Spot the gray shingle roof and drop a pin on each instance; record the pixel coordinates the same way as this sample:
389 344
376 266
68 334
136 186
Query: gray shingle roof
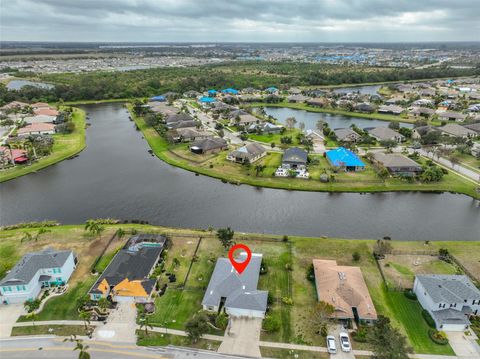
295 154
449 288
28 266
384 133
134 261
450 316
240 291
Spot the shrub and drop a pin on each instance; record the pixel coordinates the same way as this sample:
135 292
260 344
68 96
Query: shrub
356 256
428 318
287 300
360 335
271 324
311 273
438 337
410 294
221 321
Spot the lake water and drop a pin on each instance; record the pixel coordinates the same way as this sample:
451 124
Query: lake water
364 90
18 84
334 121
116 177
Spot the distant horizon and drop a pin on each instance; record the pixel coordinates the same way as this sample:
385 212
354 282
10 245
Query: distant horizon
240 42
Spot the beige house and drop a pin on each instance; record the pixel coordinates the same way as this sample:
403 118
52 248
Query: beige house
344 288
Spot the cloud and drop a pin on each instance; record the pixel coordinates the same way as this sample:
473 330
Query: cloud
240 20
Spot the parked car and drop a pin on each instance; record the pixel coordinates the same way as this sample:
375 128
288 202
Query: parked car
345 342
331 346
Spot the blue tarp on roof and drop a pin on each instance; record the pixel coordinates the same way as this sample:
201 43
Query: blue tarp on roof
230 91
158 98
271 89
340 157
206 99
212 92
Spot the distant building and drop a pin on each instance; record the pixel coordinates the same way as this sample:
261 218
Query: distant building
398 164
454 130
391 109
341 158
450 299
247 154
385 134
34 271
208 145
238 294
346 135
38 128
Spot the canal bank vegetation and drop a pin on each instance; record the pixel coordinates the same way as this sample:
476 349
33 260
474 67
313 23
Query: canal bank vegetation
261 173
192 257
64 147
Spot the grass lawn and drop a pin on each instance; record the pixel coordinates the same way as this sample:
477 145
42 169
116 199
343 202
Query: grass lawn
469 161
59 330
409 314
178 305
64 147
293 354
157 339
227 171
275 137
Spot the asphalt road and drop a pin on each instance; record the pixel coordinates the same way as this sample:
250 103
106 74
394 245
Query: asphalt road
54 348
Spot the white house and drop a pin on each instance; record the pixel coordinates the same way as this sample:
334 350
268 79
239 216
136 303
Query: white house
450 299
34 271
237 293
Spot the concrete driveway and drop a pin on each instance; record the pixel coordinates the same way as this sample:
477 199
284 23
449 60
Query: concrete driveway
463 346
8 316
335 331
242 337
120 326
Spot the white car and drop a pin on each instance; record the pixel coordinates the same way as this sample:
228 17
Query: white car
331 346
345 342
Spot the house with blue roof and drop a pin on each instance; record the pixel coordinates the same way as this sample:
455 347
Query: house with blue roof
158 98
212 93
230 91
344 159
206 99
272 89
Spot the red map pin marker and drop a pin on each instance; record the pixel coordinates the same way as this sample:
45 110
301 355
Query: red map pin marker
239 266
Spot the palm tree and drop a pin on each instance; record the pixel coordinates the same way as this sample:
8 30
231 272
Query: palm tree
121 233
27 237
145 323
29 140
103 303
94 227
40 232
85 316
12 160
82 348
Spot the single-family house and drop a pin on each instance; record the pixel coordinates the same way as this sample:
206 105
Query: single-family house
452 116
294 158
230 91
38 128
364 107
159 98
318 102
385 134
248 153
394 100
187 134
34 271
208 145
9 155
344 288
243 119
474 127
397 164
127 276
178 117
272 90
236 293
419 132
346 135
297 98
342 158
423 102
391 109
183 124
455 130
421 111
449 299
40 119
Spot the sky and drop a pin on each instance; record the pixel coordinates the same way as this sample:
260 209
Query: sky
240 20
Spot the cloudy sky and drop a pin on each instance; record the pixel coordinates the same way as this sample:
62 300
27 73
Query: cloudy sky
240 20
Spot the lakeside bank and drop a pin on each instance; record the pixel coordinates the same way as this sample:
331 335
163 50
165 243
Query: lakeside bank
64 147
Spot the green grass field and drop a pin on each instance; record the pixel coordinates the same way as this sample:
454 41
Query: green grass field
65 146
157 339
59 330
409 314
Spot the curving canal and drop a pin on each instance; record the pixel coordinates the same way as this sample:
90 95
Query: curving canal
116 177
